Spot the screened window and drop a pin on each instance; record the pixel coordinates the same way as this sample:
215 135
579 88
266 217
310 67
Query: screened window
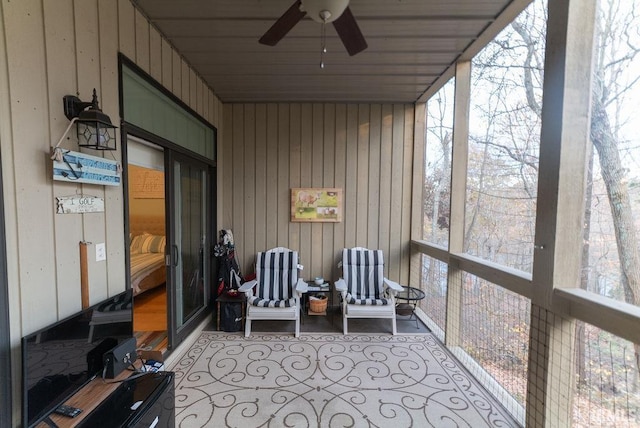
504 142
434 284
611 263
437 177
495 334
605 389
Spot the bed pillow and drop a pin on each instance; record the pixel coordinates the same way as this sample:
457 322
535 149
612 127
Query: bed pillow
147 243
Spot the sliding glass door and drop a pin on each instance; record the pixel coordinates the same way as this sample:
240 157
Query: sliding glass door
190 203
154 114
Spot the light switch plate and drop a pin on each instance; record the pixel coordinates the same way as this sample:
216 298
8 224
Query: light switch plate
101 252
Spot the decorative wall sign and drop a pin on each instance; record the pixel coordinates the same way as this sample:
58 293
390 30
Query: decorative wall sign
316 205
77 167
79 204
146 183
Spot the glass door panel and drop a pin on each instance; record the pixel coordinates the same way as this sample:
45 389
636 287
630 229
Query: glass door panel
189 238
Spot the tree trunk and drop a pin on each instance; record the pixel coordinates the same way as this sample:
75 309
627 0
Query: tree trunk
581 371
477 207
615 181
614 177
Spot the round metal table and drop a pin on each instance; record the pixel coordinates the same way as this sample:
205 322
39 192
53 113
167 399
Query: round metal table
411 296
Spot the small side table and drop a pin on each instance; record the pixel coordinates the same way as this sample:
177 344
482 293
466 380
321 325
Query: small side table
411 296
317 289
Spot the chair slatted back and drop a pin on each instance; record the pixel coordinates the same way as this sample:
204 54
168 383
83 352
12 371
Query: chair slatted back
363 271
277 274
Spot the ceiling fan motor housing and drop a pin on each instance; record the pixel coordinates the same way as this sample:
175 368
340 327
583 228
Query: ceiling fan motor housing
317 9
336 12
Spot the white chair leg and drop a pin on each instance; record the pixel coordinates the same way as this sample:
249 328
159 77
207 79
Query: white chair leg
247 327
344 325
298 326
393 321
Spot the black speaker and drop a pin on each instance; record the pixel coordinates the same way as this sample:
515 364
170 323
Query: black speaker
120 357
230 316
95 361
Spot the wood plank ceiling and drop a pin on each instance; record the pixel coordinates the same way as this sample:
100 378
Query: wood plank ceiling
412 43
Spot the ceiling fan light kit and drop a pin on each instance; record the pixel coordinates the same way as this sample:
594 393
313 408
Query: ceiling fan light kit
324 12
325 15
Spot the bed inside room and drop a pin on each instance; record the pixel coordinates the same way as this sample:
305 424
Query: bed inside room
147 250
147 244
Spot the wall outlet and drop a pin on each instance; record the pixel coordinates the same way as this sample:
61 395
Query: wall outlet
101 252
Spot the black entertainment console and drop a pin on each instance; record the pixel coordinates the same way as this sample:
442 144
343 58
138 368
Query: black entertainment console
146 401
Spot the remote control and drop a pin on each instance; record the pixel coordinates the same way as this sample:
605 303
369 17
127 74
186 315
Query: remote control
69 411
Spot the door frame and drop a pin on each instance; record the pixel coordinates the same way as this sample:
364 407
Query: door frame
168 146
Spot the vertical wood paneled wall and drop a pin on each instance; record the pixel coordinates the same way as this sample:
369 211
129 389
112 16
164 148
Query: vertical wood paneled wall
49 49
367 150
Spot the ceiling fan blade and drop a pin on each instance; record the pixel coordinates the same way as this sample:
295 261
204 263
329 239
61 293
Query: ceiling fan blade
349 32
283 25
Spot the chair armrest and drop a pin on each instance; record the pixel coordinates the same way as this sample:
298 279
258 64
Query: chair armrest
301 286
394 286
340 285
247 286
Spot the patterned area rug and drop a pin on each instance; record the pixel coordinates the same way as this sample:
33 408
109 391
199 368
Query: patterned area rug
327 380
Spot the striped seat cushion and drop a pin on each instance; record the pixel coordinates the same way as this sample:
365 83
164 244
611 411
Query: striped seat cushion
363 271
264 303
352 300
277 274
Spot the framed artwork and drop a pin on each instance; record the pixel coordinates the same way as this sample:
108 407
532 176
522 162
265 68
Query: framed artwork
316 205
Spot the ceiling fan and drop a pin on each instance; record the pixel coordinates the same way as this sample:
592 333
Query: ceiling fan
324 12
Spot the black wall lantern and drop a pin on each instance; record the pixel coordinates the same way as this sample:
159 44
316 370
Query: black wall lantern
95 130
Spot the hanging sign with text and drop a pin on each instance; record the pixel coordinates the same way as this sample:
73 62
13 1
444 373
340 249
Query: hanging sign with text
79 204
81 168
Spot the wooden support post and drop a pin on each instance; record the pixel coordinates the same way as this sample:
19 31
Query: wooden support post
459 163
84 274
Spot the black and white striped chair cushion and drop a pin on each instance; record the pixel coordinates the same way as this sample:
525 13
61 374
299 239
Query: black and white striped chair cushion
256 301
276 275
363 271
352 300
